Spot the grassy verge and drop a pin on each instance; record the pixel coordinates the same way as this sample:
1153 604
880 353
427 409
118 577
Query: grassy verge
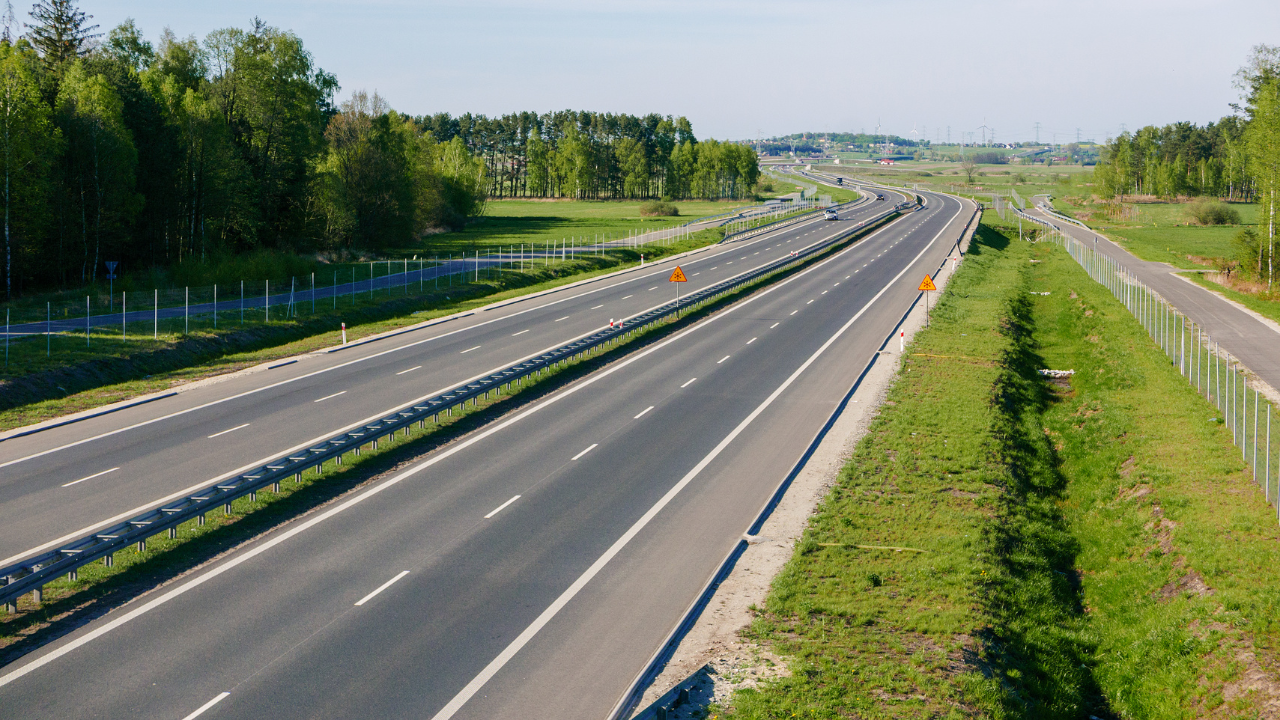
78 377
1091 547
1173 245
508 223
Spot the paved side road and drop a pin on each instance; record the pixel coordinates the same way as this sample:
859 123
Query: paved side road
1254 342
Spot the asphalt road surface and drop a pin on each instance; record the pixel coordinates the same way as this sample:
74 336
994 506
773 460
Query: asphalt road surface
529 570
67 481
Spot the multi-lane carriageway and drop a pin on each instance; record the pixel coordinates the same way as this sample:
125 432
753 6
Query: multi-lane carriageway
530 569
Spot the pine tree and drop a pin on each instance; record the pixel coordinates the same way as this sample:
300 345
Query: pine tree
59 32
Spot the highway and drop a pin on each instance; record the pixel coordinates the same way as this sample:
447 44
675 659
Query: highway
530 569
66 481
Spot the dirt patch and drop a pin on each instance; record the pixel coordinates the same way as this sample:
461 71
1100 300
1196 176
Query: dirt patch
1192 583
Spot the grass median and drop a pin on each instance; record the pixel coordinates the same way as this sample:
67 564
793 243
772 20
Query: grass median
1005 546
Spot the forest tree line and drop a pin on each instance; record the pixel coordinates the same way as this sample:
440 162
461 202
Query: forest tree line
114 148
590 155
1237 158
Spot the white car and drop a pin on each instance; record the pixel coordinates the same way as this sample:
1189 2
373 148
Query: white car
830 214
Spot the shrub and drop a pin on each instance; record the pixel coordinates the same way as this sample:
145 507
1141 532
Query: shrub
1210 212
656 208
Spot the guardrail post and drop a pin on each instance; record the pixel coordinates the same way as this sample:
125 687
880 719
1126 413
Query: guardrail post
37 595
173 533
109 560
200 519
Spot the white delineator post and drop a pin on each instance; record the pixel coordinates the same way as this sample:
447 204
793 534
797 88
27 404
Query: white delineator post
344 333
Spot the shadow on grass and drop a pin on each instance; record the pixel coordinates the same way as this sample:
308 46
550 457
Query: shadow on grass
1039 644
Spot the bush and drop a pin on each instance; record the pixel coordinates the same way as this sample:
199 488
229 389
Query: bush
657 208
1210 212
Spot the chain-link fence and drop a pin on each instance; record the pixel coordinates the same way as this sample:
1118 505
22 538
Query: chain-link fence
140 316
1223 380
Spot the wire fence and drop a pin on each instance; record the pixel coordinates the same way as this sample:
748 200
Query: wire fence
1224 382
140 316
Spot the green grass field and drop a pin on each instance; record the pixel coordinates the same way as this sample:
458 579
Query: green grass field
509 223
1090 547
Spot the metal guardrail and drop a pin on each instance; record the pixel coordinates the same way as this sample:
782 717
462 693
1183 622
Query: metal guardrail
779 224
31 574
1047 209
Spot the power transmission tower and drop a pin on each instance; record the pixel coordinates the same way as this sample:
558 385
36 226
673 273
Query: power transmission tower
1037 132
948 134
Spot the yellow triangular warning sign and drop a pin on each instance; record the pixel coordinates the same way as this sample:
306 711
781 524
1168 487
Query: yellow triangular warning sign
678 275
927 284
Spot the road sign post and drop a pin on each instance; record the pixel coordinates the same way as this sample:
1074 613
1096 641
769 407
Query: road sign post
677 277
926 286
111 284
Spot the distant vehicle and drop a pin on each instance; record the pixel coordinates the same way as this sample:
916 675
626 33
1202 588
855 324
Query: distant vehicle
830 214
839 181
879 197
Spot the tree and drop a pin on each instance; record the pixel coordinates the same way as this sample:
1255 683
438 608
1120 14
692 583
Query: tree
59 33
969 166
101 160
126 45
1262 137
26 140
275 103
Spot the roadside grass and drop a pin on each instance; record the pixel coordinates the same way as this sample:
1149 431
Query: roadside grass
69 604
1173 244
1091 547
542 223
1178 546
972 618
77 377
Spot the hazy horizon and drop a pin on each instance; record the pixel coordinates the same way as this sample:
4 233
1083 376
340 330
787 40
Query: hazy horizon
741 69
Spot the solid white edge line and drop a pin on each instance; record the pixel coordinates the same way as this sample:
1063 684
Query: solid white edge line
104 472
687 384
593 446
382 587
523 639
237 560
416 367
327 397
206 706
224 432
642 413
501 507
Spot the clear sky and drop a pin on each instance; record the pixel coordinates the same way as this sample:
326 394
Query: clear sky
740 68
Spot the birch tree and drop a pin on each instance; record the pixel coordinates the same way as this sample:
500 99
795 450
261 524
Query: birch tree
1262 137
25 142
